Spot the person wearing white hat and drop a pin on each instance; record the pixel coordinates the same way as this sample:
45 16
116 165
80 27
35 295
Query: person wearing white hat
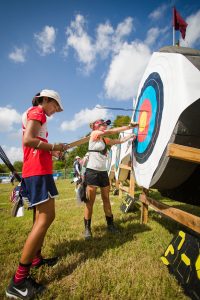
38 182
50 94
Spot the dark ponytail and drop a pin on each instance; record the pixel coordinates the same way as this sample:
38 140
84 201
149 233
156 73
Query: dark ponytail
37 100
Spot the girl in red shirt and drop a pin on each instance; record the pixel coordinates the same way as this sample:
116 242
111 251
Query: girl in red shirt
40 188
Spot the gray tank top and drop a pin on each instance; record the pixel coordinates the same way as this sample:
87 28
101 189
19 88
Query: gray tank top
97 161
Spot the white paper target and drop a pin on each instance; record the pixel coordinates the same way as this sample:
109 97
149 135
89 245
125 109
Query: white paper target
170 85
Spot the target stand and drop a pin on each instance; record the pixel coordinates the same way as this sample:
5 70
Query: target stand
180 152
129 203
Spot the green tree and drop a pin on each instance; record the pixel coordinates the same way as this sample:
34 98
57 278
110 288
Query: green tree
118 122
18 166
58 165
121 121
78 151
4 169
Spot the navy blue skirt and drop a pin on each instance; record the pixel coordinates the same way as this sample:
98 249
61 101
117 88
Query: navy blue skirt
38 189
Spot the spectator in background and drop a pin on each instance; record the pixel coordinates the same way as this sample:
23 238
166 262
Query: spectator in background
77 170
84 163
12 178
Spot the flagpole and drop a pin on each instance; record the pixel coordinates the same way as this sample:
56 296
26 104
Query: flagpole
173 13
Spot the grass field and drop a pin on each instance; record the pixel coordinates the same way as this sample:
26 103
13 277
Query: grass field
122 266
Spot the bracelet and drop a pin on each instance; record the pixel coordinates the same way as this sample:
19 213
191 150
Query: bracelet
38 145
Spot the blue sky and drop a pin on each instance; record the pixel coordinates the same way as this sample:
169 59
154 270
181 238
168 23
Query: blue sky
93 52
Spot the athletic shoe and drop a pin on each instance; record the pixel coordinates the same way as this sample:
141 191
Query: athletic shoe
50 262
88 233
27 289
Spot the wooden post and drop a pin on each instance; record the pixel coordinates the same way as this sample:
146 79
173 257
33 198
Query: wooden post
189 220
117 184
132 184
183 153
120 190
144 208
111 185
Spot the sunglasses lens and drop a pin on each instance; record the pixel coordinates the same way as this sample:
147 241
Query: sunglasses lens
108 122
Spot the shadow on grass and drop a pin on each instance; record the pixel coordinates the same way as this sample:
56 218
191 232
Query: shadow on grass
192 209
94 248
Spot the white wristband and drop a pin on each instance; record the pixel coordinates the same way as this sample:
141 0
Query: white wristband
38 145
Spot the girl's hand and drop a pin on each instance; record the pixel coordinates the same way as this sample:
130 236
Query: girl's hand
58 150
56 154
133 124
59 147
133 137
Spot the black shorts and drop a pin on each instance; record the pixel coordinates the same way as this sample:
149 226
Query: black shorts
96 178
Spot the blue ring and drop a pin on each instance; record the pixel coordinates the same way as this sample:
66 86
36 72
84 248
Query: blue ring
153 91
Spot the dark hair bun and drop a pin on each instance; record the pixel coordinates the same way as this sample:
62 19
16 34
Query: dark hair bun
35 101
92 125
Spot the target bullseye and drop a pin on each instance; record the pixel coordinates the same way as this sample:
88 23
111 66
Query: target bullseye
144 120
148 114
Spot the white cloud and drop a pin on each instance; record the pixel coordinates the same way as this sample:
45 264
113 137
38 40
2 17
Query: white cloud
78 39
46 40
18 55
128 60
16 134
123 30
104 39
158 12
84 117
107 40
192 38
8 116
126 70
153 34
13 153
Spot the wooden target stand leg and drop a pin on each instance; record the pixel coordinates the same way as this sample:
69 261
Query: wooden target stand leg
191 221
144 206
129 190
123 188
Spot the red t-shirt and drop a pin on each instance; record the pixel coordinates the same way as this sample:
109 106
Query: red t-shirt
36 161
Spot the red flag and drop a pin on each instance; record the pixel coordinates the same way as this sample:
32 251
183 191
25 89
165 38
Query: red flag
179 23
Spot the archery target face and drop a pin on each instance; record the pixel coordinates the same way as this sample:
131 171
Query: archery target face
148 114
169 85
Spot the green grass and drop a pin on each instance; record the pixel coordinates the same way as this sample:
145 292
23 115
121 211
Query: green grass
123 266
